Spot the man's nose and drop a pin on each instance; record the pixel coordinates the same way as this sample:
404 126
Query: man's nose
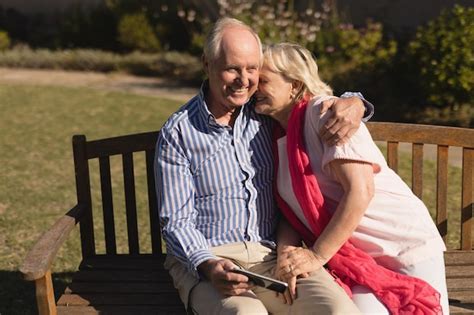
244 78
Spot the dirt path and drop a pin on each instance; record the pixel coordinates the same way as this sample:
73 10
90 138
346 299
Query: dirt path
114 81
157 87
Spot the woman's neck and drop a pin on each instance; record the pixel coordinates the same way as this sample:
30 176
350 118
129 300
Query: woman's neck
283 116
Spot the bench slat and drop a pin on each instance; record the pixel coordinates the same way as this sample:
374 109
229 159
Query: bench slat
415 133
464 296
107 205
130 203
121 275
392 155
454 284
83 187
121 261
460 271
119 287
417 170
467 199
121 310
119 299
461 310
459 257
442 191
153 203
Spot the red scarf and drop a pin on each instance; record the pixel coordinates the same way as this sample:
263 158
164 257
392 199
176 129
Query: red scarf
401 294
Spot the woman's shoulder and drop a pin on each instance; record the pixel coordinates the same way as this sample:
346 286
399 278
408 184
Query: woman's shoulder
313 112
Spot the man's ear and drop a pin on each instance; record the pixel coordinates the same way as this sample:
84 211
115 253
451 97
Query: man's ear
205 64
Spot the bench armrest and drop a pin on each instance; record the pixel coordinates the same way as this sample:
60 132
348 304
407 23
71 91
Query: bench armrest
39 258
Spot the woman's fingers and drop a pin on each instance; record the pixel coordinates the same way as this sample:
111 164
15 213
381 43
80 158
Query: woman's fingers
292 287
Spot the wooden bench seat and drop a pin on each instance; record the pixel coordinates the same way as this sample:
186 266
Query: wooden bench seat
136 282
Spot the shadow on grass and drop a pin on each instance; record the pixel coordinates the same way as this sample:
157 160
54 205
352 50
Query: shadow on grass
17 297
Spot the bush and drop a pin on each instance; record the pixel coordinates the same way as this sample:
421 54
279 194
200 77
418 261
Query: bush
443 52
4 40
136 33
342 48
174 65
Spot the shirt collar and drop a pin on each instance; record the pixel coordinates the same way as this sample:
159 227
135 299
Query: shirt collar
208 117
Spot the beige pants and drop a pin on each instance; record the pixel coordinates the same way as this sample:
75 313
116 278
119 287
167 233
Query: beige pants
317 294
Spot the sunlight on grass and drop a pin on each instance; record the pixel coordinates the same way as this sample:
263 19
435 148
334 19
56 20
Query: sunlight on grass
38 186
429 193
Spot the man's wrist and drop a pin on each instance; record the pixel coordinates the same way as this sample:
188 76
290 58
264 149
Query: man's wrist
204 269
368 106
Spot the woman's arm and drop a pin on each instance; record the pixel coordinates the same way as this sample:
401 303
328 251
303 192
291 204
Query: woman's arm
287 236
357 181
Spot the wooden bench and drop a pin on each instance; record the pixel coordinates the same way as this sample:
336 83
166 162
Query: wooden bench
136 283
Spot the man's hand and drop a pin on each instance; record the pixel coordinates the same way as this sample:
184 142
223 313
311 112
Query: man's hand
228 283
344 120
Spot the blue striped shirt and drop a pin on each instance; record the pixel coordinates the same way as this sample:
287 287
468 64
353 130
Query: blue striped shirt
214 182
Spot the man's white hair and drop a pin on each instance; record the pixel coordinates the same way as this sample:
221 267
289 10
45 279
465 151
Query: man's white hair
212 45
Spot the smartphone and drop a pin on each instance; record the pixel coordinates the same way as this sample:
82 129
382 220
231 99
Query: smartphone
262 281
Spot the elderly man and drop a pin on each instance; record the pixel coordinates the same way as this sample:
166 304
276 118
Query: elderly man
214 174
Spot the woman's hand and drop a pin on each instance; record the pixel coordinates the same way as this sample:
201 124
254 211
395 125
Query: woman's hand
292 263
282 258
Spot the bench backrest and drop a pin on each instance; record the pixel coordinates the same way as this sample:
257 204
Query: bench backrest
103 150
130 145
443 138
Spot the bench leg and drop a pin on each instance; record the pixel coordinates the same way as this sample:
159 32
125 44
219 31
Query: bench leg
45 295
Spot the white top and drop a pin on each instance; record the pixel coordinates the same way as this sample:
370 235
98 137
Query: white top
396 229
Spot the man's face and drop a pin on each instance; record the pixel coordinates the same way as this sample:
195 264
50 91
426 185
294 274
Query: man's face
233 76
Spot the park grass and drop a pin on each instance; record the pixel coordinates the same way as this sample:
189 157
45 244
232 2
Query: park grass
37 183
38 186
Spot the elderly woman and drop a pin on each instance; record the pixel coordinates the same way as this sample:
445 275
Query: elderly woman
355 215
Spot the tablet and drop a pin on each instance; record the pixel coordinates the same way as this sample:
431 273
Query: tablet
262 281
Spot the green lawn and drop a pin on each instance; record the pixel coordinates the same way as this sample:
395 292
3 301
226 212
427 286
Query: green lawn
37 183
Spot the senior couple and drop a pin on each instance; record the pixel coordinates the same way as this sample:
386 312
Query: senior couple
265 170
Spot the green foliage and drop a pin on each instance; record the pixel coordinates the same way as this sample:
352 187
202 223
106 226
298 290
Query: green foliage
87 27
443 51
4 40
135 32
342 47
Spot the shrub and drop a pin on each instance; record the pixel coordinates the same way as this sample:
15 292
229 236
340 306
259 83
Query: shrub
443 52
342 48
136 33
4 40
174 65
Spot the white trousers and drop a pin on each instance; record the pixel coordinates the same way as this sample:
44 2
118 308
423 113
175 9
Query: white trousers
430 270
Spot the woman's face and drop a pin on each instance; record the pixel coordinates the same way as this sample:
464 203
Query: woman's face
273 96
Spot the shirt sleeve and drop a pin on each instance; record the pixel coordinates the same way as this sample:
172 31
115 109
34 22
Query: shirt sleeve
359 148
175 192
369 108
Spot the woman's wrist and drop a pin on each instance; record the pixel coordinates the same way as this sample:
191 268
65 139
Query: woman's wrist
320 258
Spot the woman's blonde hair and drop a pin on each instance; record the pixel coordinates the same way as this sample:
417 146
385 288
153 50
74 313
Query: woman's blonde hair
296 63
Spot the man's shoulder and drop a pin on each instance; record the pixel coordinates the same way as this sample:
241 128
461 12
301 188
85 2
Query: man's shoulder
182 116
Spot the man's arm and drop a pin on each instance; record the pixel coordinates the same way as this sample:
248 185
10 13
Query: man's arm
347 112
175 190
